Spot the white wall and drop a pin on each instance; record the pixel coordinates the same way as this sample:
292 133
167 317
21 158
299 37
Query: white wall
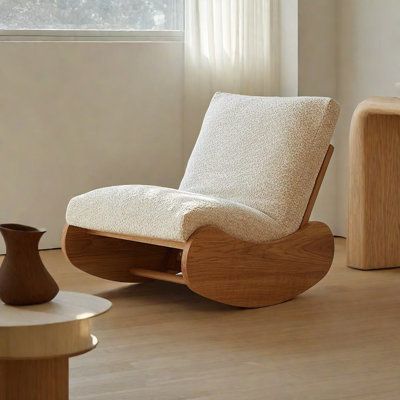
76 116
368 64
317 77
289 47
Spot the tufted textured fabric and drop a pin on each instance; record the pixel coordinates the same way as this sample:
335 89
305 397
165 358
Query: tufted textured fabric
153 211
251 174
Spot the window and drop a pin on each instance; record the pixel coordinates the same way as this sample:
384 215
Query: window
90 16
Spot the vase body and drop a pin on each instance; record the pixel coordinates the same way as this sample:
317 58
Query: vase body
24 279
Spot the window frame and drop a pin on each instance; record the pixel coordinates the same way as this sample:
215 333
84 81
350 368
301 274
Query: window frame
91 35
85 35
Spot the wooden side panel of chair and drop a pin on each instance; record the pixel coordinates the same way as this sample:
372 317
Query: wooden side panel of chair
112 258
214 264
245 274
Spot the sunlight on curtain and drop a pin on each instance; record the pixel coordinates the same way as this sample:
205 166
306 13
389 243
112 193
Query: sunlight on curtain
232 46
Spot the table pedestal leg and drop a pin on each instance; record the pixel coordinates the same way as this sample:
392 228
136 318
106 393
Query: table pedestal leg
45 379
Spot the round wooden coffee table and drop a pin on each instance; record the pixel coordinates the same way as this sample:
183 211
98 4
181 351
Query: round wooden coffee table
37 341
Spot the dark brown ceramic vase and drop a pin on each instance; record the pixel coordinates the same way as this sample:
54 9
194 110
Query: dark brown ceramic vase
24 279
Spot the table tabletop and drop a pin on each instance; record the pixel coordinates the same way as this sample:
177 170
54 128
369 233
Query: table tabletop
65 307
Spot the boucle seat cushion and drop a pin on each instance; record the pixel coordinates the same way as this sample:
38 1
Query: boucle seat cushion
251 174
158 212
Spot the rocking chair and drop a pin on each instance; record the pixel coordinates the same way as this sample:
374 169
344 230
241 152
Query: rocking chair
237 230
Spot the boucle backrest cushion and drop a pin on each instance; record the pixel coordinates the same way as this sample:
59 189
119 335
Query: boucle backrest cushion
264 152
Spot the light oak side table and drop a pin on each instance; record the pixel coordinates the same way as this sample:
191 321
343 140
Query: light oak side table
37 341
373 239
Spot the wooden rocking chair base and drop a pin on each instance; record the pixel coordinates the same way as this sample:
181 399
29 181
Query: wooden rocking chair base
213 263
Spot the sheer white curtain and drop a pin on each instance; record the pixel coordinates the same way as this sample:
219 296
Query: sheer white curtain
232 46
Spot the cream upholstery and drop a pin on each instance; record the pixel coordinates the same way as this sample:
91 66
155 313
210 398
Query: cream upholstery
251 174
153 211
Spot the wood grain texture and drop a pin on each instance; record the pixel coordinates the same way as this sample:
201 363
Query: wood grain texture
162 276
141 239
36 342
317 185
214 264
244 274
374 182
34 379
112 258
59 328
24 280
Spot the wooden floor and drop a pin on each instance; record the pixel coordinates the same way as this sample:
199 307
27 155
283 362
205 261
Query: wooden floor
339 340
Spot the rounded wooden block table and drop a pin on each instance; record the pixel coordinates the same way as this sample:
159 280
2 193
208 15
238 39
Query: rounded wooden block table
374 180
37 341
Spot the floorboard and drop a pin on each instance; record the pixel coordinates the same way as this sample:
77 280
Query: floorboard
339 340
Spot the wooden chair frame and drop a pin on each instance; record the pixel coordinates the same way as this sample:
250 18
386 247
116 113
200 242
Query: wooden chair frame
213 263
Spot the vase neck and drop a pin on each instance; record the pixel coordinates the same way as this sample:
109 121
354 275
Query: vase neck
20 236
